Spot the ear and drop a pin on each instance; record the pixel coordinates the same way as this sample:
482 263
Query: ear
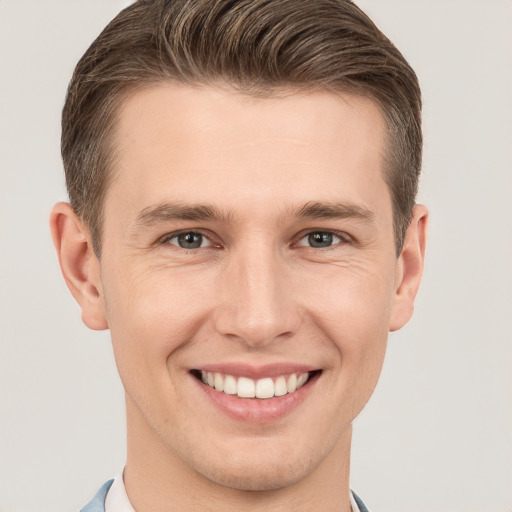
79 264
410 268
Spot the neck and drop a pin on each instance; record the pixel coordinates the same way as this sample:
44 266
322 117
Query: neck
157 480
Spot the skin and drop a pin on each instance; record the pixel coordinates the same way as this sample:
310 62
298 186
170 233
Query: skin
255 292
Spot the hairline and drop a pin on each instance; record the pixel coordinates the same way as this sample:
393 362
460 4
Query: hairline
109 146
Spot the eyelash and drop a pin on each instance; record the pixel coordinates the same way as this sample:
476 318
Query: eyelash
174 236
344 238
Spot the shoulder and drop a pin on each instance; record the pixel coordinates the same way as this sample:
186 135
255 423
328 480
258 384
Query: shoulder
359 502
97 504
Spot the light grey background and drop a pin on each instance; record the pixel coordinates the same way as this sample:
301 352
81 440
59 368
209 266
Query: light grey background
436 436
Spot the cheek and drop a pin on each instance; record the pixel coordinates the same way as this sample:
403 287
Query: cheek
151 317
356 298
354 315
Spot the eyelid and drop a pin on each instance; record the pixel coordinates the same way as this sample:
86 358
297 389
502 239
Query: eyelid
344 237
166 239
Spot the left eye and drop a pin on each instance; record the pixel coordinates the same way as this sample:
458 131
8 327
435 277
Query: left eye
320 240
189 240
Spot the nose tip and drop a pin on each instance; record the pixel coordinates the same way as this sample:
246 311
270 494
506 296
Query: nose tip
257 304
253 330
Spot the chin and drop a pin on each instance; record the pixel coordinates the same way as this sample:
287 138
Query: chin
259 465
264 477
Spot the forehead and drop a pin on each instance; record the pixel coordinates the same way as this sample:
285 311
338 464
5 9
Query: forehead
175 142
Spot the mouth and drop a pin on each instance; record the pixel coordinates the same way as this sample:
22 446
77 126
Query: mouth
261 389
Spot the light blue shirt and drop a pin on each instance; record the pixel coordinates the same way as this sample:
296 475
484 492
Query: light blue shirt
97 504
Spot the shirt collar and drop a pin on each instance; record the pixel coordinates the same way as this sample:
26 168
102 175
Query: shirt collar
117 500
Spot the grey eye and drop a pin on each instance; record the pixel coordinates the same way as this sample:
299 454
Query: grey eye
189 240
320 240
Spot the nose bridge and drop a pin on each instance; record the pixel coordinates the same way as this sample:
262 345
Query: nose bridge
256 303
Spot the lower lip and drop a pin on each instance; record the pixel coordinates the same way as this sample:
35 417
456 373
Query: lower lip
257 410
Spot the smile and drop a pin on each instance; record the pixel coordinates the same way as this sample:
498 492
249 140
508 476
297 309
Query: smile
245 387
256 394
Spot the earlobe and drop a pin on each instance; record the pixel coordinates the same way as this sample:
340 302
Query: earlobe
410 268
79 264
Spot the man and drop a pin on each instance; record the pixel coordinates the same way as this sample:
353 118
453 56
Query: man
242 179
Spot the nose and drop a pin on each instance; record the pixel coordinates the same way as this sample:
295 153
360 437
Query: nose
257 301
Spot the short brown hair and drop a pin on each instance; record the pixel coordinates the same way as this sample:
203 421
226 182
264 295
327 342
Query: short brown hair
255 46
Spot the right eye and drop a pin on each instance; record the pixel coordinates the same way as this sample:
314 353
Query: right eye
189 240
321 240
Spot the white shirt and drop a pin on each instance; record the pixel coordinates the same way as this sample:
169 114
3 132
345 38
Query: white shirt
117 499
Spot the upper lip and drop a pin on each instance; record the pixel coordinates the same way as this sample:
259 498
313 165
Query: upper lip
256 372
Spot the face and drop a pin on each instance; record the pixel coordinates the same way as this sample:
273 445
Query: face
248 243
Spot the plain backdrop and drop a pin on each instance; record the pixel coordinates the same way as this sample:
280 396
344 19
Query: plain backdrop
437 434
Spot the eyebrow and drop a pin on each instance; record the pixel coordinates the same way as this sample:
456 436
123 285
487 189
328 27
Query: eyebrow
317 210
167 212
175 211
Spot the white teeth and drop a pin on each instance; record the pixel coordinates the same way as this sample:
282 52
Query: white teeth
280 386
265 388
245 387
303 377
291 383
230 385
219 382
